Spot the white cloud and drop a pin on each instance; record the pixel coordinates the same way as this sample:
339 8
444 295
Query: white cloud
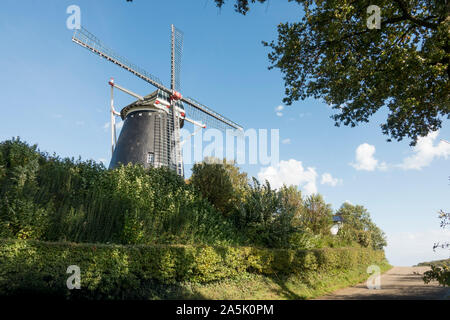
328 179
286 141
278 110
383 166
365 159
290 172
425 151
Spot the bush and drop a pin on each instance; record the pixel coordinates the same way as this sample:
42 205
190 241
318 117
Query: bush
20 216
266 216
116 271
317 215
439 273
51 199
221 182
440 270
279 218
47 198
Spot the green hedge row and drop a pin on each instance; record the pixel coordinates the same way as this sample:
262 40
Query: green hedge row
115 271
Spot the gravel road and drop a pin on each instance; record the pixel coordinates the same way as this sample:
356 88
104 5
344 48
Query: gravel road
399 283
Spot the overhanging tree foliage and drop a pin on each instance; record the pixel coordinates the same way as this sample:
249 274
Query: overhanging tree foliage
331 54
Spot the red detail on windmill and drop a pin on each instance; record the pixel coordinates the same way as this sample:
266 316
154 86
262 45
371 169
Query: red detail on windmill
176 96
183 114
111 82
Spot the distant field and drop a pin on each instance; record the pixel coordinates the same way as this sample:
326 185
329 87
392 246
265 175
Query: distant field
438 263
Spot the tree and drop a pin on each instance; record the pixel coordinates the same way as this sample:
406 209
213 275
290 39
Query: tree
221 182
291 201
20 217
268 217
317 215
331 54
357 225
260 205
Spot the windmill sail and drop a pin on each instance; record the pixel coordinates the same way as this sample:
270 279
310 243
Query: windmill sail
177 52
87 40
151 132
174 121
212 119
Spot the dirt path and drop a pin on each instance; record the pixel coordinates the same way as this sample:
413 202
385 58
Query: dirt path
397 283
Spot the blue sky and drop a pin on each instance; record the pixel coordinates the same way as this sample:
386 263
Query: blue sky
55 94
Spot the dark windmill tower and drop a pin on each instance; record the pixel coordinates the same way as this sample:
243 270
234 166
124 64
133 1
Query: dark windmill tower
151 130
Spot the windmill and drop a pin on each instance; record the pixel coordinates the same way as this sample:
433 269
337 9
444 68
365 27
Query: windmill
151 130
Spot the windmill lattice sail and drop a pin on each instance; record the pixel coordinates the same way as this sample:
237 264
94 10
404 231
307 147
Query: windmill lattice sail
151 131
177 51
175 147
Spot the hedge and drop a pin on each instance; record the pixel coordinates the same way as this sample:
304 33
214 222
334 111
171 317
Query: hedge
113 271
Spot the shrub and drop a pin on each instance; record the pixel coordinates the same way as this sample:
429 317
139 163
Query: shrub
317 215
440 270
52 199
275 218
439 273
221 182
47 198
116 271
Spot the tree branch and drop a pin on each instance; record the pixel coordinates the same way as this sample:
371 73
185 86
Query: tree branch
383 23
407 14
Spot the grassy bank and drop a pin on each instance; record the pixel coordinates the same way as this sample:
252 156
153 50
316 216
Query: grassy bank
259 287
250 286
309 286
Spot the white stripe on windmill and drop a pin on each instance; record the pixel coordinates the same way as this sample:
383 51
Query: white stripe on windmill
151 131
